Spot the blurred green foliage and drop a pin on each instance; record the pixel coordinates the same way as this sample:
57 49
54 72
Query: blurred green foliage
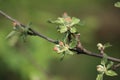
35 59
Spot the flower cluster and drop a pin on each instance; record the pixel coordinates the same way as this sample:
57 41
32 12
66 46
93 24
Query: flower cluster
102 47
18 31
62 48
66 23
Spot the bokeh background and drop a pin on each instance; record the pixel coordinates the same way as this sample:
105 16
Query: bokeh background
35 58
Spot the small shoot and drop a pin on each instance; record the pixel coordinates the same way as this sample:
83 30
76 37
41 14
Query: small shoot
105 65
63 49
66 23
19 31
102 47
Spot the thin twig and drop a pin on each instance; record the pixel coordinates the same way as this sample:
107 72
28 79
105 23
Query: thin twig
116 66
85 51
81 49
31 32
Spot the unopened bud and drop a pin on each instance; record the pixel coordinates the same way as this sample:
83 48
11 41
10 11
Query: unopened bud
56 48
100 46
100 68
67 18
14 23
61 43
65 14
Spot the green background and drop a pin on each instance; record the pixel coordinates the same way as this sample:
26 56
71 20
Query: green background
35 58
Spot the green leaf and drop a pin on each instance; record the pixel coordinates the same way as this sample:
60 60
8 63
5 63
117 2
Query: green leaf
19 28
104 60
107 45
24 35
110 65
111 73
73 43
65 37
62 57
99 77
58 21
73 30
62 29
117 4
81 23
75 21
69 52
11 34
13 40
25 31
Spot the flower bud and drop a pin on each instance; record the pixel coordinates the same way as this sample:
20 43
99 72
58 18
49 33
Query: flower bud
100 46
67 18
14 23
100 68
65 14
56 48
61 43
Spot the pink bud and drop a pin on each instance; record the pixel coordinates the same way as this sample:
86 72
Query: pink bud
65 14
14 23
55 48
68 19
61 43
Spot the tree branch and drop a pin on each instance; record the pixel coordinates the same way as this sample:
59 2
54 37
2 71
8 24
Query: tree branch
79 49
116 66
31 32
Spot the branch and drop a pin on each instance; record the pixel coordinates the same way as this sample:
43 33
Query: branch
79 49
32 32
116 66
85 51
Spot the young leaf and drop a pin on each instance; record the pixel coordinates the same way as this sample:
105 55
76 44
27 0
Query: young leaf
104 60
73 30
19 28
65 37
111 73
62 57
81 23
99 77
117 4
73 43
107 45
69 52
110 65
25 31
75 21
58 21
13 40
24 35
11 34
62 29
